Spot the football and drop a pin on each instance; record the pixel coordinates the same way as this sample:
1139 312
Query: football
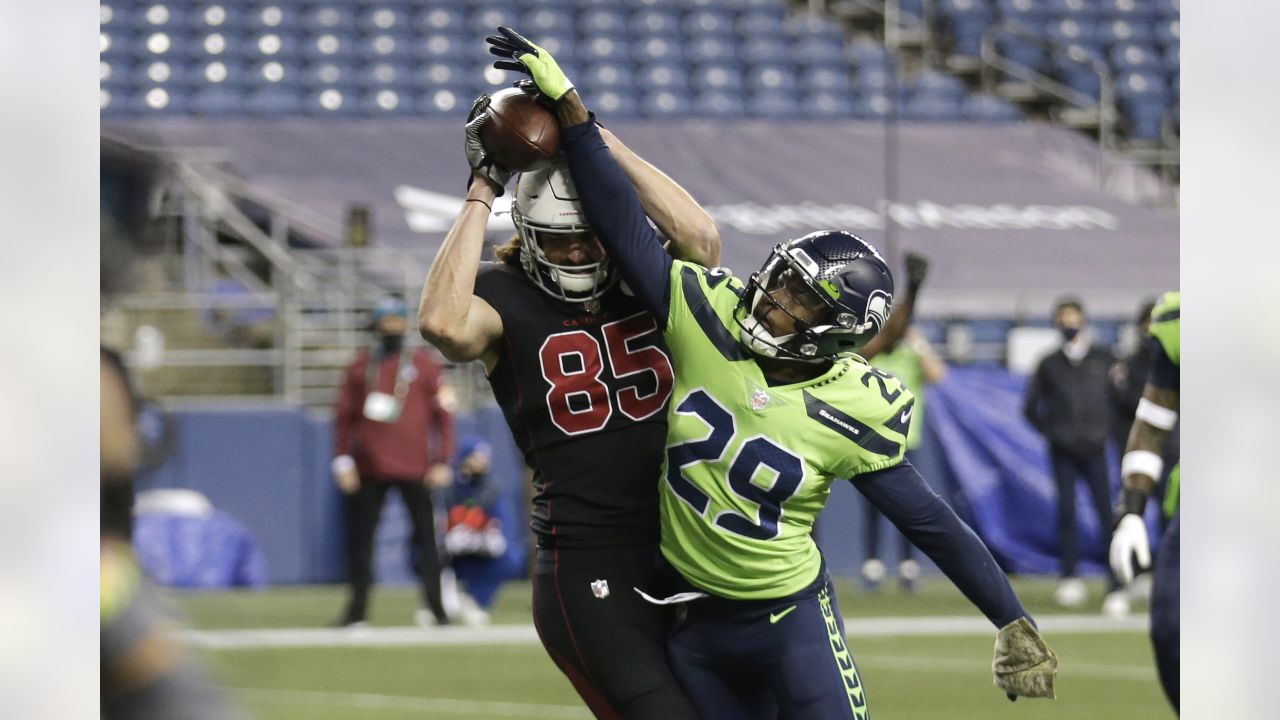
521 135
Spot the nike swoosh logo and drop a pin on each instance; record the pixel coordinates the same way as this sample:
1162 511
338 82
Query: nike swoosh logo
775 617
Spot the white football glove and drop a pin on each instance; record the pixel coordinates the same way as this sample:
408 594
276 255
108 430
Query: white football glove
1129 539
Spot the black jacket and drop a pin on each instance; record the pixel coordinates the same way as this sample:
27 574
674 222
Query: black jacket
1069 403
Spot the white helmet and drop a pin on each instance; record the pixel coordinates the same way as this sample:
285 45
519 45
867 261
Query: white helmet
546 201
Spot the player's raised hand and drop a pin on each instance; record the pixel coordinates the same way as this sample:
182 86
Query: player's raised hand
1024 665
481 164
523 56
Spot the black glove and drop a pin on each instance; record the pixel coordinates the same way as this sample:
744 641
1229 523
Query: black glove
917 270
477 158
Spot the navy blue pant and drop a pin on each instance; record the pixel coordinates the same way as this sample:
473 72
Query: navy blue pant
1165 606
768 659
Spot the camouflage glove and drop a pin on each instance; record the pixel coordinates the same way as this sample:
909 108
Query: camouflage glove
1024 664
477 158
523 56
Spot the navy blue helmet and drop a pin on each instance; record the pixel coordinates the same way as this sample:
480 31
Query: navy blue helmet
840 275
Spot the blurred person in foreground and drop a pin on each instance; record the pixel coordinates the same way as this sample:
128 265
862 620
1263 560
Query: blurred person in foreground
583 378
147 674
768 384
1068 402
390 432
913 361
1157 414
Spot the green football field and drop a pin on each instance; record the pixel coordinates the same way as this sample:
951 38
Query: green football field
921 658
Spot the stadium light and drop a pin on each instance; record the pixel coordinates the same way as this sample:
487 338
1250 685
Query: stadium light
159 72
157 98
384 19
384 44
387 100
444 100
269 44
158 43
215 72
157 14
215 15
215 44
273 71
330 99
271 16
327 44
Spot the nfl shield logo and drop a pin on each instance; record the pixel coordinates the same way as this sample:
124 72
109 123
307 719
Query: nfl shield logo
600 588
759 399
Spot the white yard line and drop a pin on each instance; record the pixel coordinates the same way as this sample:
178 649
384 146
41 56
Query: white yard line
525 634
403 703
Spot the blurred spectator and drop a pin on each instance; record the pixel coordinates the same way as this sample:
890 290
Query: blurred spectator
146 673
1068 403
480 555
390 431
917 365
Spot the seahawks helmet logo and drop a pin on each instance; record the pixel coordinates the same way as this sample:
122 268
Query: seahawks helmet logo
878 309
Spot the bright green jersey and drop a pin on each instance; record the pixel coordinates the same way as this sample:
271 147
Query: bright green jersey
903 362
750 465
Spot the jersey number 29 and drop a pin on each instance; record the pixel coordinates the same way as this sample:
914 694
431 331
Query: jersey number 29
572 362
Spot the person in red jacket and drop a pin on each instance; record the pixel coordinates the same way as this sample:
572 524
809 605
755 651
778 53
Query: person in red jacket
390 431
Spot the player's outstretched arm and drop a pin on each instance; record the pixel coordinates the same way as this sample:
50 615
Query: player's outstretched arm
462 326
692 232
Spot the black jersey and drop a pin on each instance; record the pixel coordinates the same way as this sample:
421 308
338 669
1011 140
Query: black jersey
585 394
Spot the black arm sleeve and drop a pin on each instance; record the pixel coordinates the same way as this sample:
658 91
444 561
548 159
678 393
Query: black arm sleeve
931 525
614 211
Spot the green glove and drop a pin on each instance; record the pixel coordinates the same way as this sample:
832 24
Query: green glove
523 56
1024 664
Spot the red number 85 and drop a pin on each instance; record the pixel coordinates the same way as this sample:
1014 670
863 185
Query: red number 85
584 381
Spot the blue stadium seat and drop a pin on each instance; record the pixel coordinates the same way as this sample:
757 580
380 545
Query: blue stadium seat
828 105
708 22
989 109
387 75
274 101
1139 11
825 78
385 47
485 20
711 49
818 50
655 22
615 104
329 18
1085 11
435 19
657 49
1130 57
774 105
1168 32
665 104
330 46
756 24
601 21
927 107
608 76
384 17
932 82
718 104
768 77
763 48
604 48
443 46
444 102
668 75
717 77
387 102
1126 31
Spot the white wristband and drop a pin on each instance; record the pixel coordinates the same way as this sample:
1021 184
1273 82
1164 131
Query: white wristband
1158 417
1141 462
342 464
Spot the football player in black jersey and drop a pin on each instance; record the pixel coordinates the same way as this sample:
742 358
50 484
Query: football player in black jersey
583 379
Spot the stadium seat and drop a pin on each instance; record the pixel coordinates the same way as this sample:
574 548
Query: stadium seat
932 82
718 104
615 104
665 104
828 105
725 78
825 78
711 50
775 105
708 22
668 75
989 109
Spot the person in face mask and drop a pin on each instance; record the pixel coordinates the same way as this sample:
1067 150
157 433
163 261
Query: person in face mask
1068 402
391 431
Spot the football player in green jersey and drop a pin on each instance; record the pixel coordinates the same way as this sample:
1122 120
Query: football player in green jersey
1141 467
770 408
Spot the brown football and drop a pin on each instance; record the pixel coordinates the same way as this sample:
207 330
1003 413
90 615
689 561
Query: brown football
521 135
